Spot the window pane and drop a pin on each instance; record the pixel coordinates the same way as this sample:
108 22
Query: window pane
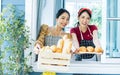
113 27
113 9
113 44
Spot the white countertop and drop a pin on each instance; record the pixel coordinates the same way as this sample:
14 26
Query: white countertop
82 67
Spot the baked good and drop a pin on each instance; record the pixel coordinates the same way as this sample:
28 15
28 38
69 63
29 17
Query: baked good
53 48
82 49
90 49
60 43
98 50
46 49
59 50
67 46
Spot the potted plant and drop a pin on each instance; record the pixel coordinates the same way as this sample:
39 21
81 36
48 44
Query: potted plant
14 39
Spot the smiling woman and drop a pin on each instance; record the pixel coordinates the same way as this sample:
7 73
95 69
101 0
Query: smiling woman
62 19
109 22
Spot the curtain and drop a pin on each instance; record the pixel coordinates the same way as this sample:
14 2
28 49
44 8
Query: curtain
58 4
40 6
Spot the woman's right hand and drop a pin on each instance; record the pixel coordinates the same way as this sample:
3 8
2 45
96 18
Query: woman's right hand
37 49
76 51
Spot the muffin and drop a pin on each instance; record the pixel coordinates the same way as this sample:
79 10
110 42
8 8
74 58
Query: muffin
90 49
82 49
98 50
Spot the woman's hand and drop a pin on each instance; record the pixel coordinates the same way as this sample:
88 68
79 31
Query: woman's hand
76 51
37 49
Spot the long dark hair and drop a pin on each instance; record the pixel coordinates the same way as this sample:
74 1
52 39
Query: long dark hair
61 11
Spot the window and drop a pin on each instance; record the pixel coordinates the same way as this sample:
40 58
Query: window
0 6
99 7
106 16
113 23
111 35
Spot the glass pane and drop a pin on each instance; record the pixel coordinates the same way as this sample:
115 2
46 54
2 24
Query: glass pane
113 27
113 9
112 39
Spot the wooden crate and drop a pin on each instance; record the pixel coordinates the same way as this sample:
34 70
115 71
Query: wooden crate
55 59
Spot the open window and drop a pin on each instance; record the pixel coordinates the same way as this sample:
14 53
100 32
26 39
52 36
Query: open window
105 14
111 28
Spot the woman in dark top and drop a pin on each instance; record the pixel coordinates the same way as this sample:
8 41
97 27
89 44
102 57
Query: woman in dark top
84 34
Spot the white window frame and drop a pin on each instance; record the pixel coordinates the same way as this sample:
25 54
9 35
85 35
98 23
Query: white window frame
104 58
0 6
31 19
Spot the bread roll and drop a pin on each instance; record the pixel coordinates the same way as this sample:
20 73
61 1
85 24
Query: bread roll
58 50
82 49
60 43
47 49
98 50
54 48
90 49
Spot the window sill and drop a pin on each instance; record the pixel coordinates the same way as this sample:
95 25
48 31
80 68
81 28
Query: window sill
83 67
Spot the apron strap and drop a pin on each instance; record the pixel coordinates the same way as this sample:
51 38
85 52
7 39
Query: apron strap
81 34
89 32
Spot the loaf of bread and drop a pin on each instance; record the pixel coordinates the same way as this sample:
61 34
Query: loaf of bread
60 43
67 46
